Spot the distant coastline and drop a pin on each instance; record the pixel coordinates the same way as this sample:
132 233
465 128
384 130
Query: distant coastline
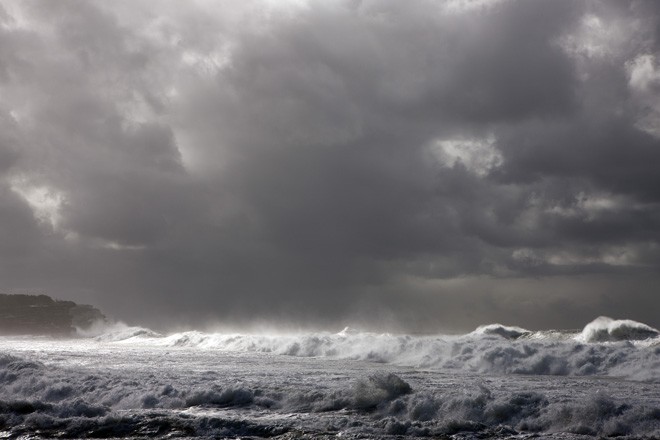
43 315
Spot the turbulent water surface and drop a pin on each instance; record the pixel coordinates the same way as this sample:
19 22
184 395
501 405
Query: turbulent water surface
496 382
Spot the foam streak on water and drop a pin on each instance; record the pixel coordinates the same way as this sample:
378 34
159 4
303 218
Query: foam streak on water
496 382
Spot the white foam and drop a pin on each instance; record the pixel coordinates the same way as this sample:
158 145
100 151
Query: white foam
604 329
332 400
492 348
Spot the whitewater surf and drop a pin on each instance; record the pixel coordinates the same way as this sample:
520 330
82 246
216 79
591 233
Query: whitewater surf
495 382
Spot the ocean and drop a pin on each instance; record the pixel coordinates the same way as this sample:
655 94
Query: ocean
495 382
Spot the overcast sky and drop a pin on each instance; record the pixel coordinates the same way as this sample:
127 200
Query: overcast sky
413 165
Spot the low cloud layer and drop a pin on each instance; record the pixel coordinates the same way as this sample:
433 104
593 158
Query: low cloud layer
425 165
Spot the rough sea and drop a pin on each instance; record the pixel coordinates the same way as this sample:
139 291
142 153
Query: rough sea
495 382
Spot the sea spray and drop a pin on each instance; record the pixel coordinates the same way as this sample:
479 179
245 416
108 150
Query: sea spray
605 347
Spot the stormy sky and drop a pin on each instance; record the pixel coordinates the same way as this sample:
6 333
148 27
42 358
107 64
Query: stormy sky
416 165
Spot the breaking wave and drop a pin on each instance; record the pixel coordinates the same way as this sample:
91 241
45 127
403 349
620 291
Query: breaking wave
618 348
504 331
604 329
104 331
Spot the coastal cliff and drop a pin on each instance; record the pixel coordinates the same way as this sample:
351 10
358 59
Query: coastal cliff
42 315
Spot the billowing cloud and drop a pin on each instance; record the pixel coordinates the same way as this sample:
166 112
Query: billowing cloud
420 164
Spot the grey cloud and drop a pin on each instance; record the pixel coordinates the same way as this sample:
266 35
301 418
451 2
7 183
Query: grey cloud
509 66
312 163
611 153
9 143
20 231
134 193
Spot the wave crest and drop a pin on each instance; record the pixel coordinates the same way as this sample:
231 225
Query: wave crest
604 329
118 331
493 348
508 332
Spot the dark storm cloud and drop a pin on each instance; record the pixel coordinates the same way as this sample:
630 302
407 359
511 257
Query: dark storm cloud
318 161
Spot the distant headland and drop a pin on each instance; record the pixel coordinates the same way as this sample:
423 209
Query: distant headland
43 315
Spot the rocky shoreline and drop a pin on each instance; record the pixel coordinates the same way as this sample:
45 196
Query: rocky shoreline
43 315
